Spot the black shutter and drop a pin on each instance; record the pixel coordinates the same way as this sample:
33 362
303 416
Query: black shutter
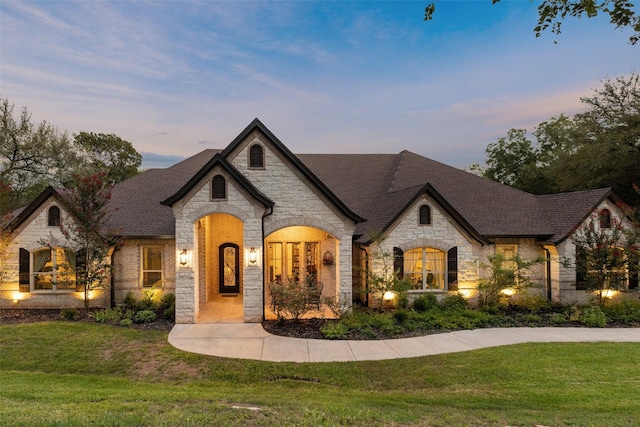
452 269
581 269
24 283
398 262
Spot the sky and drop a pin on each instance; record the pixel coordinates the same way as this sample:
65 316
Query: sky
177 77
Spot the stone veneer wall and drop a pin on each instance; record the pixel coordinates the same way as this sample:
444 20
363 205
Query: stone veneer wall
441 234
127 267
28 236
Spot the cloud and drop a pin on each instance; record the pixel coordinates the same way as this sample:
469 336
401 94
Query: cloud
155 160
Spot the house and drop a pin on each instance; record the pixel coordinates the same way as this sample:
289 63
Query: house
218 227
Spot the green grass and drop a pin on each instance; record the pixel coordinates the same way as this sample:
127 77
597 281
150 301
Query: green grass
77 374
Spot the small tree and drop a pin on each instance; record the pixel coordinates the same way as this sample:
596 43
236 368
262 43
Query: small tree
602 256
501 274
86 231
382 276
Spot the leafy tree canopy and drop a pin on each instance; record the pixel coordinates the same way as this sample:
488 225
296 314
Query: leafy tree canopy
34 156
551 14
597 148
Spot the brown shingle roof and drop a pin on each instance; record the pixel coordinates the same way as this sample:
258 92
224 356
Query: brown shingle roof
376 187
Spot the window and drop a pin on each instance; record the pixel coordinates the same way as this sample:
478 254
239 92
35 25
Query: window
151 267
425 267
54 269
256 156
605 218
425 215
290 260
218 187
509 253
53 216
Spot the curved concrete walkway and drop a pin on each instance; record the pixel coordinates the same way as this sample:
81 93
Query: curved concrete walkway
251 341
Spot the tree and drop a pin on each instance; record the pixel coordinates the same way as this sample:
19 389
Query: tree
597 148
5 241
86 231
551 14
108 153
27 154
500 274
602 256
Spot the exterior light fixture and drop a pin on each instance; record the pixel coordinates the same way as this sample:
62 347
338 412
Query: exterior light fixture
183 257
253 255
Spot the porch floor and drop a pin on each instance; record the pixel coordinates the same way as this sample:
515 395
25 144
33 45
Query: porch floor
222 309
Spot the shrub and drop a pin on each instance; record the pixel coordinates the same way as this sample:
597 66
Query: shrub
533 303
69 314
167 307
334 330
401 315
558 319
291 299
129 302
126 322
624 311
108 315
455 301
425 302
144 316
591 316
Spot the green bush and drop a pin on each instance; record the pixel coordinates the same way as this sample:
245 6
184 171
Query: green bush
425 302
126 322
334 330
625 311
558 318
144 316
455 301
69 314
401 315
108 315
533 303
591 316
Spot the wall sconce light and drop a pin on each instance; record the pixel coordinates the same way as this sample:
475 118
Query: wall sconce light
183 257
253 255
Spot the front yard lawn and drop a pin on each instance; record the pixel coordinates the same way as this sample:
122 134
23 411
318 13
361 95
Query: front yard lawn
79 373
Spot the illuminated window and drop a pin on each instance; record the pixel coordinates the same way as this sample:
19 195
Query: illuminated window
292 260
54 269
151 266
425 267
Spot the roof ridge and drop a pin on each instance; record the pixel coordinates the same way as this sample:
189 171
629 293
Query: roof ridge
396 171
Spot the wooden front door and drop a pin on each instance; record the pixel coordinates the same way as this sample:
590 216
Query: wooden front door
229 267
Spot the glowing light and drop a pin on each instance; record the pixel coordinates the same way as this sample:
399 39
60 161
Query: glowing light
508 292
389 296
184 257
253 255
609 293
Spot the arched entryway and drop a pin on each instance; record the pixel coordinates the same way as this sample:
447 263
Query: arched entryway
301 254
220 239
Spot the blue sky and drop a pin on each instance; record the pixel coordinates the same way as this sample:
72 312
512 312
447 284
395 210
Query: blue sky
177 77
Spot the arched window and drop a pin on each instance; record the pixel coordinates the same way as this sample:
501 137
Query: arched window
53 216
605 218
425 215
218 187
425 267
256 156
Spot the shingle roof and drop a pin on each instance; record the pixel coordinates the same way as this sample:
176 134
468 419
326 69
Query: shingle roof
377 187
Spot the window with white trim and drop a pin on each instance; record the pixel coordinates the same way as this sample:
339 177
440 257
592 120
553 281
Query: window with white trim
425 267
151 266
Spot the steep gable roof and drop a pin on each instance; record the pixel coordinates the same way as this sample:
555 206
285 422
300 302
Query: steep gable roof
219 160
23 214
373 190
566 211
256 125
